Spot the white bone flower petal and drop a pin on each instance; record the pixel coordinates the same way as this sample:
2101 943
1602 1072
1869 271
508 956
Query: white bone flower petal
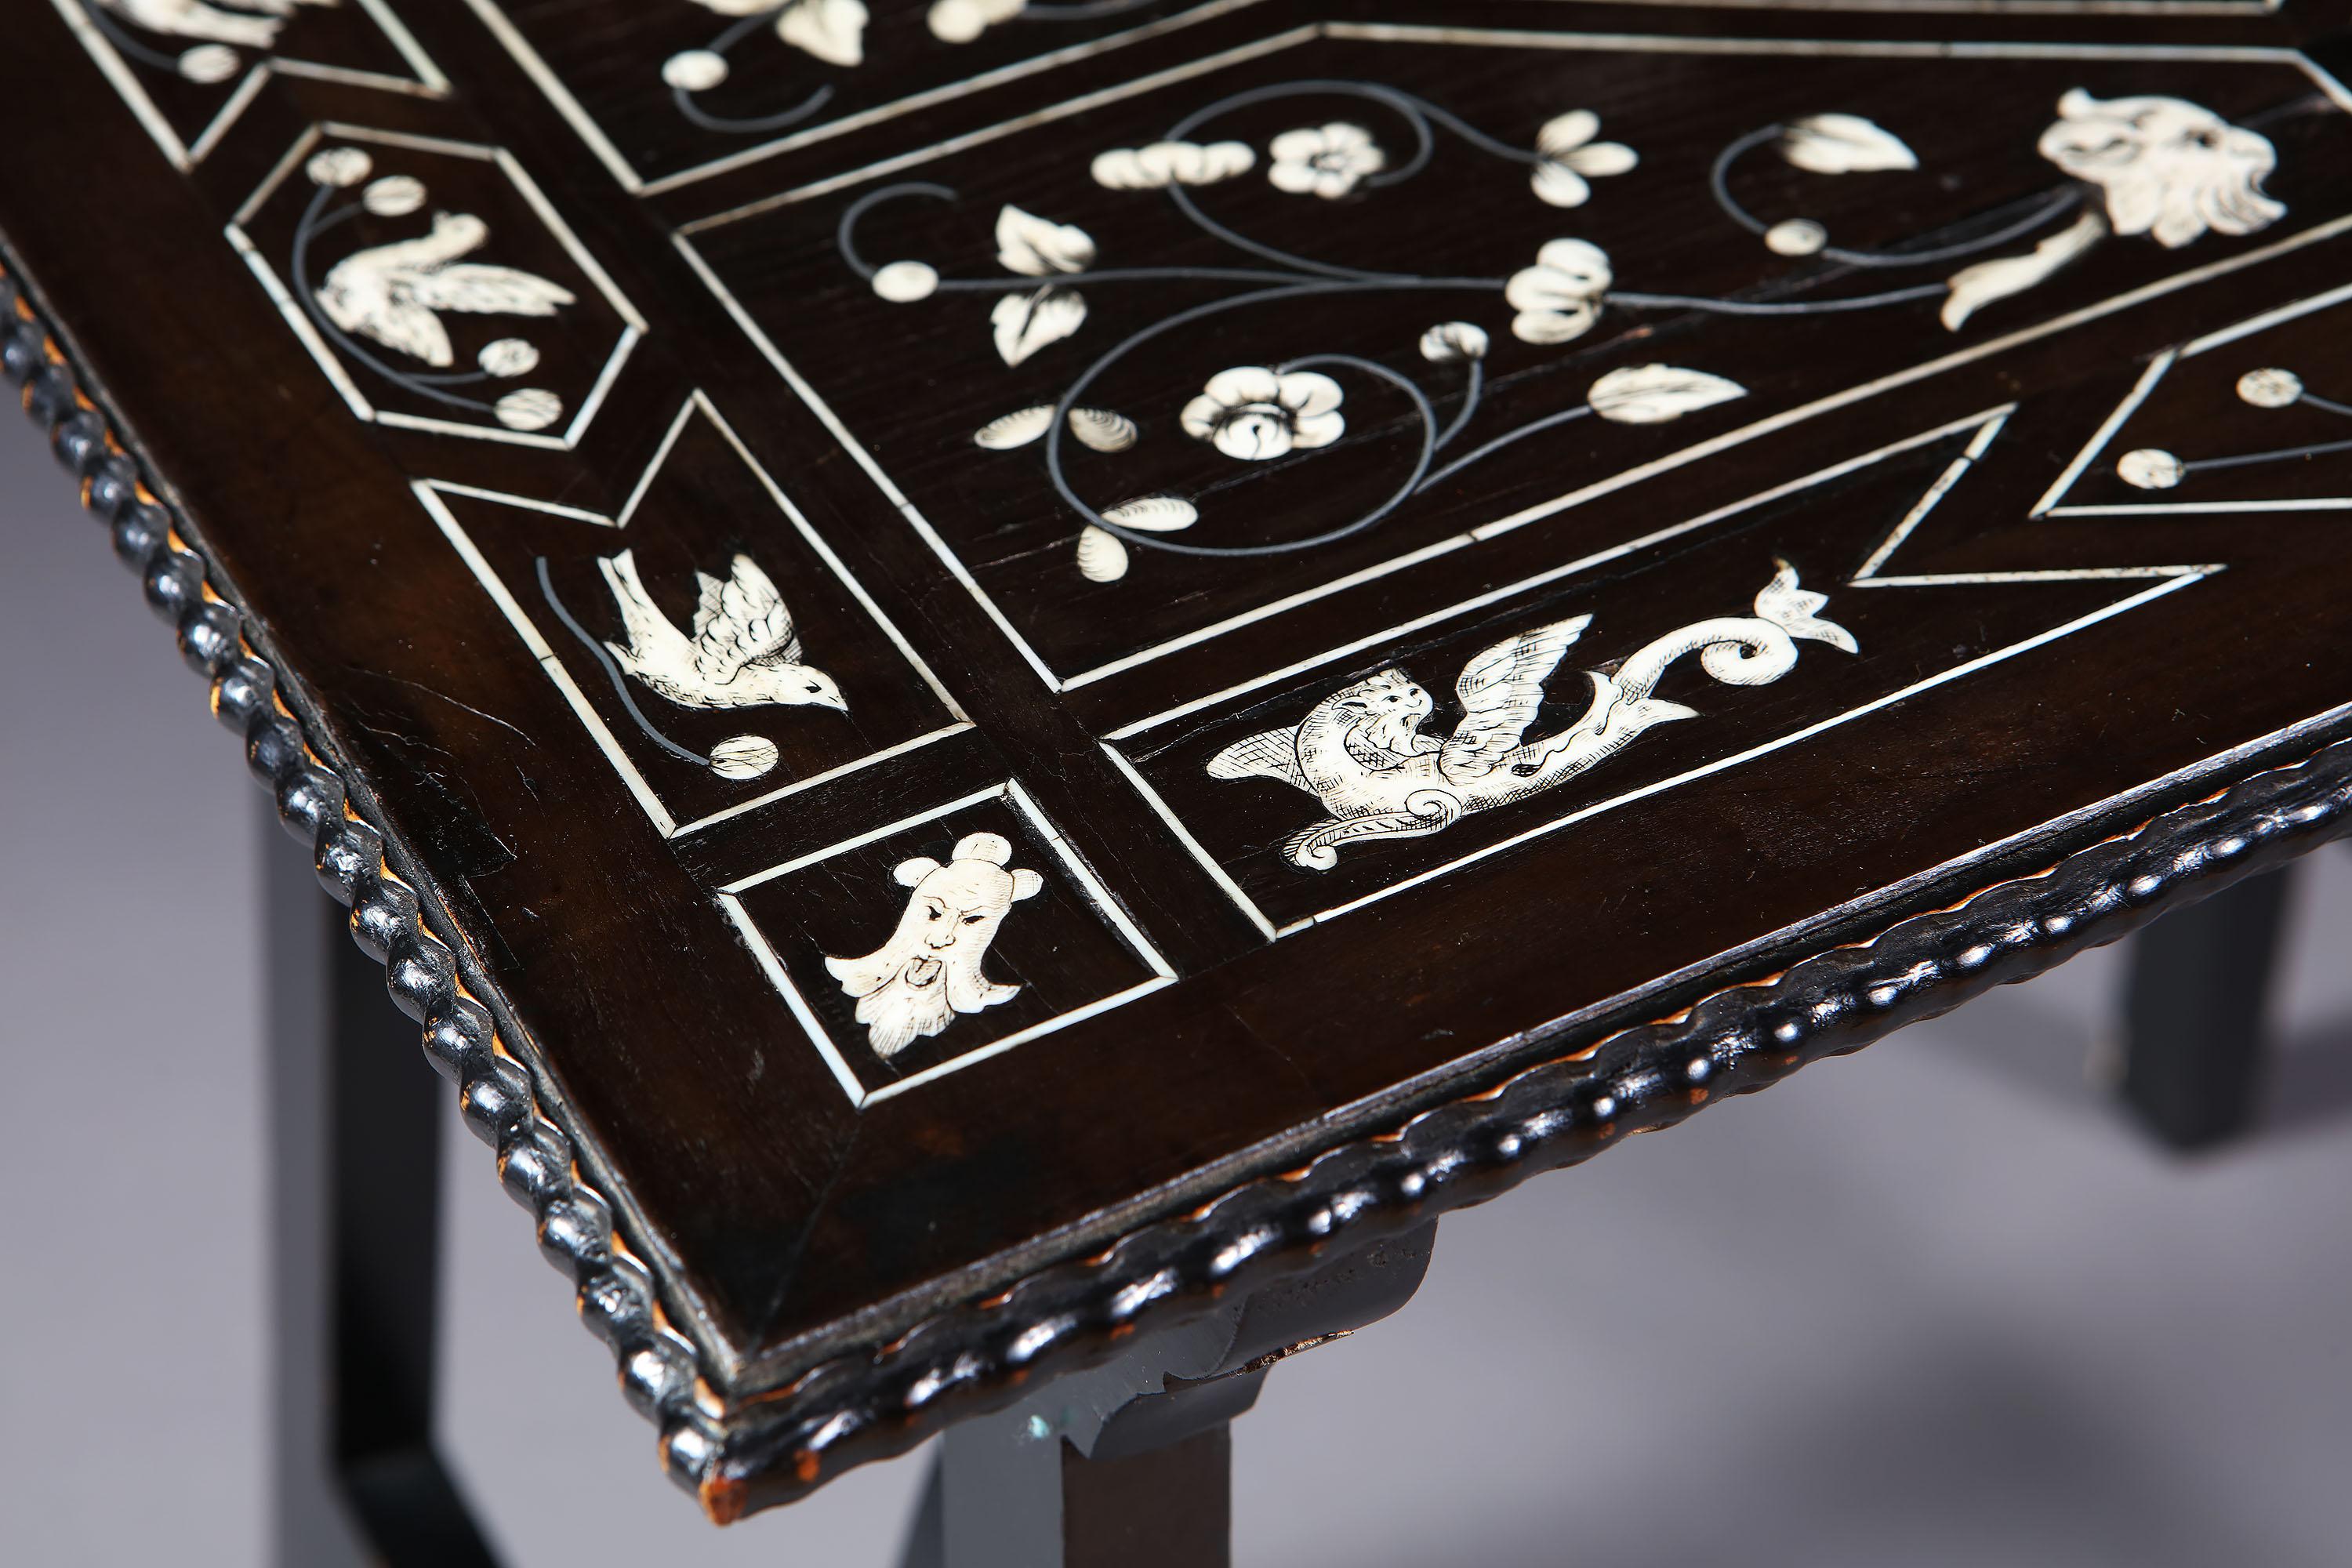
1252 413
1164 163
2169 168
832 30
1451 341
1325 161
1843 144
1654 394
1038 248
1023 323
1568 157
1559 297
1102 555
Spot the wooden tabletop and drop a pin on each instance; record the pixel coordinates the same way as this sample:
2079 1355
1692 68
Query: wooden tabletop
986 669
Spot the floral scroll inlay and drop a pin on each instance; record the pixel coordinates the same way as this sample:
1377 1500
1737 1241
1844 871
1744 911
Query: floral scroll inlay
2155 166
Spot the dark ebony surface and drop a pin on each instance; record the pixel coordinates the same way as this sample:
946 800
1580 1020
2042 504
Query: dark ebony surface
1986 723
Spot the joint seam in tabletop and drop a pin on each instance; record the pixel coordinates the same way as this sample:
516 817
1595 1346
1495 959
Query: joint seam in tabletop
661 1369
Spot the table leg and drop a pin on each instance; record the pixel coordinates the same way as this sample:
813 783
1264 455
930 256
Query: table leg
2196 1009
1129 1465
355 1185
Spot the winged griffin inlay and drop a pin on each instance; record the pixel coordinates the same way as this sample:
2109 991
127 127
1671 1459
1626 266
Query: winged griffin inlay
1361 754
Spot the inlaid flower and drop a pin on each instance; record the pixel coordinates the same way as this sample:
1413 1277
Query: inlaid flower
1326 161
1254 412
1036 247
2169 168
1559 297
1165 164
1568 157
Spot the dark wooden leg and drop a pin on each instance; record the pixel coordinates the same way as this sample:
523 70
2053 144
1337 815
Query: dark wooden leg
356 1186
1130 1465
2196 1011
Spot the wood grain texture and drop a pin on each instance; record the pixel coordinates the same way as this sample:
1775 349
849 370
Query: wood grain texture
2024 658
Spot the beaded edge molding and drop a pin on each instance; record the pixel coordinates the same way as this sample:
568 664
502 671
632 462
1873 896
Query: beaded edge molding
660 1371
1556 1112
776 1447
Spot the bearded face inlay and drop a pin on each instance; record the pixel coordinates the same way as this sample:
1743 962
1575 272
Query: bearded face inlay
930 971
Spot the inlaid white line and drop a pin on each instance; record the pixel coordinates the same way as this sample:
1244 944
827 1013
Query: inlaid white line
781 980
1935 493
947 92
962 802
573 697
834 563
1208 863
1003 129
1553 575
2106 431
865 459
2329 503
2266 320
1108 906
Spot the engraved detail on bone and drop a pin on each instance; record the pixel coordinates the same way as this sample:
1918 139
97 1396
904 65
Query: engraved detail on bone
1360 752
916 984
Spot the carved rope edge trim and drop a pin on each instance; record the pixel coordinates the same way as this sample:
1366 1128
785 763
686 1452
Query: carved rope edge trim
773 1448
660 1370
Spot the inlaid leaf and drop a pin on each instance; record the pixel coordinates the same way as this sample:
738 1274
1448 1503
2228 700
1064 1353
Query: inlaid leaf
1102 429
1653 393
1017 428
1102 557
1038 248
1154 514
1843 144
1027 322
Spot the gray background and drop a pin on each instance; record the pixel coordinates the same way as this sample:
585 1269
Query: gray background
1933 1304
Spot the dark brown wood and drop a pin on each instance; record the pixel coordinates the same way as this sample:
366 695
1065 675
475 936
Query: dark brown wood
1235 1039
1168 1506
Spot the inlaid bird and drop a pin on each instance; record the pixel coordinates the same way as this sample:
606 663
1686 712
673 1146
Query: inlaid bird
219 23
744 652
391 292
